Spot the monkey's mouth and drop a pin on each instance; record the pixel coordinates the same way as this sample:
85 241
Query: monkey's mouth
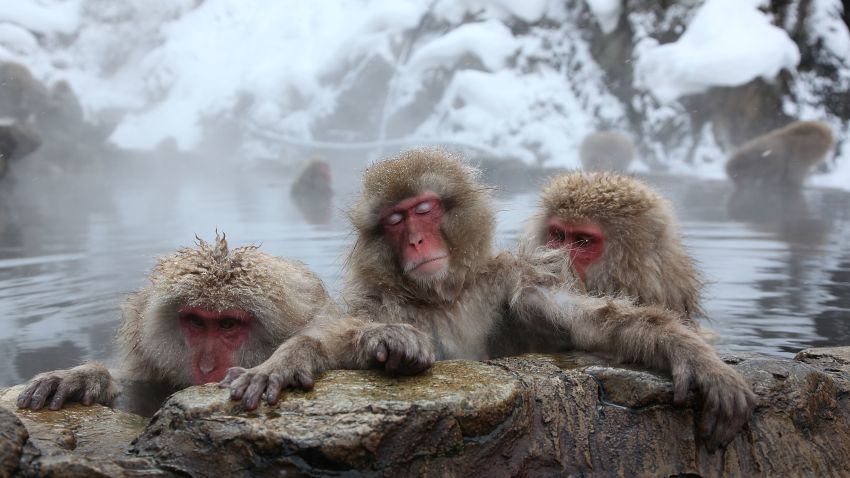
429 266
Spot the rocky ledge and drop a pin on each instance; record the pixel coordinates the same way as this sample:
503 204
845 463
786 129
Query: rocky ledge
532 415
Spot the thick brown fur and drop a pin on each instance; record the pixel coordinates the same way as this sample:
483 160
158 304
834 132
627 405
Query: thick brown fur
17 139
606 151
312 192
782 157
643 257
489 305
21 95
282 297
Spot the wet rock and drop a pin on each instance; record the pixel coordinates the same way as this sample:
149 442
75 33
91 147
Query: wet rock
351 420
13 435
573 414
76 441
568 414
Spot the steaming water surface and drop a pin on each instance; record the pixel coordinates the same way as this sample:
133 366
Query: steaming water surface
72 248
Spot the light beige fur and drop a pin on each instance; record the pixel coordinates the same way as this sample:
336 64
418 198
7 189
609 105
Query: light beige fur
643 256
282 297
488 305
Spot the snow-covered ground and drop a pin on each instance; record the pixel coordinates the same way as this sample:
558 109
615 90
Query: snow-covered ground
473 72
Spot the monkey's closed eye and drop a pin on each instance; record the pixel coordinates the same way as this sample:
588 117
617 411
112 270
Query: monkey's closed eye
393 218
227 323
424 207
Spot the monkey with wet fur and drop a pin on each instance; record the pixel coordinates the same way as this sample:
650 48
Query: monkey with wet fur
782 157
206 309
622 239
423 284
312 192
606 151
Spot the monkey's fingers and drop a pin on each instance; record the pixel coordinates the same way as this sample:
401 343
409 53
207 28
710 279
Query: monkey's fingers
732 414
393 364
238 386
381 353
62 392
413 366
230 376
273 389
43 392
25 398
89 397
304 380
251 399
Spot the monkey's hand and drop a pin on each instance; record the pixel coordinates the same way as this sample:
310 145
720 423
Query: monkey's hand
292 365
89 383
727 399
398 348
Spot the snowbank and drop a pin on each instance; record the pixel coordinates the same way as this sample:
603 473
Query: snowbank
728 43
515 77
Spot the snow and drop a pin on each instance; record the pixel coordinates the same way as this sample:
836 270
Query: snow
709 53
607 13
510 76
61 17
490 41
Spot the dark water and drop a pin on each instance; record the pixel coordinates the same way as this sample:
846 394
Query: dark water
72 247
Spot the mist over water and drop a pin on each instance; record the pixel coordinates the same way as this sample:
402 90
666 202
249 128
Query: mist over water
186 118
72 247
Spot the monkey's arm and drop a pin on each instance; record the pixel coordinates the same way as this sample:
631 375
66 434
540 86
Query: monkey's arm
345 342
654 337
88 383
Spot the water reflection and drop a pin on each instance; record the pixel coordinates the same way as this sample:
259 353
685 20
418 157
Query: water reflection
72 248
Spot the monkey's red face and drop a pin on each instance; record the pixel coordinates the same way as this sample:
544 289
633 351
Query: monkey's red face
585 242
413 228
213 337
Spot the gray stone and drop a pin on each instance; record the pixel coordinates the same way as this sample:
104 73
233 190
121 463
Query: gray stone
569 414
76 441
13 435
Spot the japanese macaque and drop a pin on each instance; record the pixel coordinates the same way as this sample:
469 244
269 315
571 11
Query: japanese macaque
312 193
424 284
206 309
65 104
606 151
622 239
781 158
17 139
21 95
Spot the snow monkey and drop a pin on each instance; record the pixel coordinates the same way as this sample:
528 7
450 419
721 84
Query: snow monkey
206 309
424 284
782 157
606 151
312 192
622 238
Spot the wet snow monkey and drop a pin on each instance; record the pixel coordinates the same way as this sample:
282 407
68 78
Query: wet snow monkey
606 151
312 192
424 284
622 238
781 158
206 309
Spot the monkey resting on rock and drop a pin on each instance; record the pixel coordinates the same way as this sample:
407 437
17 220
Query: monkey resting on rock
207 309
424 284
622 239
